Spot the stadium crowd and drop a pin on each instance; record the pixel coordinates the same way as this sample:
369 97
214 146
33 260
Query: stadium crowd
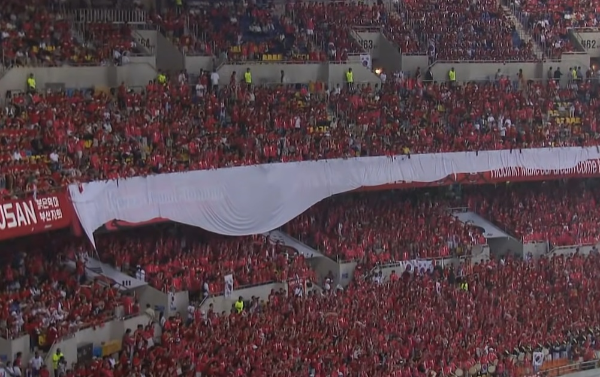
36 32
43 297
383 227
463 30
549 23
542 211
51 139
438 326
177 258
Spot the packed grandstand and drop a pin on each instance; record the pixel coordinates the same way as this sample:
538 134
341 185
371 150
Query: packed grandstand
299 188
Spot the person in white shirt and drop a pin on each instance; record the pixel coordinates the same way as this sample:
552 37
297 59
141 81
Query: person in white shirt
383 78
214 80
191 310
182 78
36 363
200 89
13 371
298 291
140 274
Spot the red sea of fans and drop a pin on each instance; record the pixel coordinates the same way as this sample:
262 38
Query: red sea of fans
49 140
43 296
52 139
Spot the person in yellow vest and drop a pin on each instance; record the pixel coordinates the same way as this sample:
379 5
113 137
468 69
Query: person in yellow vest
350 79
55 359
179 3
574 74
239 305
31 83
161 78
452 77
248 78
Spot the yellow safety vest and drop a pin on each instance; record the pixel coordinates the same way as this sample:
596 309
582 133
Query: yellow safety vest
248 77
452 75
31 83
349 77
162 79
179 3
55 359
239 306
574 74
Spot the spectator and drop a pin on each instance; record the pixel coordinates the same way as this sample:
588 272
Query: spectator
36 364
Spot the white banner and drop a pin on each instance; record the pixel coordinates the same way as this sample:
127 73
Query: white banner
538 359
257 199
228 286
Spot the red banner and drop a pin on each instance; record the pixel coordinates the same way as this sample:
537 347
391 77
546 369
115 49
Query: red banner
27 216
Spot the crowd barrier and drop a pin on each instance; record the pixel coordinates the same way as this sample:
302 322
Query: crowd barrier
91 338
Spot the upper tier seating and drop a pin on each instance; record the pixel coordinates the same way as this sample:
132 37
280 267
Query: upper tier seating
51 139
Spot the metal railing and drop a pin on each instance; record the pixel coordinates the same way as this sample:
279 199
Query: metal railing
115 16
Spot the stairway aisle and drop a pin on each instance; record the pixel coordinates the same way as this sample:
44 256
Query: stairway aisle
523 33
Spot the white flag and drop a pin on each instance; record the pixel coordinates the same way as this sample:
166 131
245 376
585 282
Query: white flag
228 286
538 359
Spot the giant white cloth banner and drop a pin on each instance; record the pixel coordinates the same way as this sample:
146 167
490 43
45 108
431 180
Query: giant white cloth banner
257 199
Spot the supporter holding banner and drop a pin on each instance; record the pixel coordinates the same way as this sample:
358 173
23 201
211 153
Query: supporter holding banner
23 217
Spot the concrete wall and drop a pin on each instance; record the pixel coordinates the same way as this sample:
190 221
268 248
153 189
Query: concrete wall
370 41
537 249
194 64
271 72
268 73
223 304
501 246
135 74
169 304
485 70
480 253
111 331
346 273
146 40
168 57
410 63
590 41
337 73
322 266
569 250
10 348
388 56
